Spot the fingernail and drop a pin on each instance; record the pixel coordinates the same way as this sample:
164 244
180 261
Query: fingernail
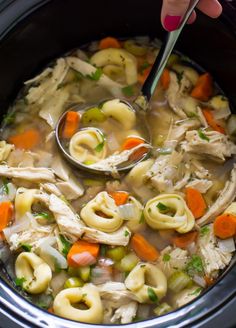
171 23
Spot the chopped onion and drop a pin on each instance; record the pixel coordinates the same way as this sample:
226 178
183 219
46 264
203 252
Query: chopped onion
58 281
11 191
119 276
226 245
100 275
84 259
112 142
22 225
127 211
53 258
199 280
105 261
192 248
47 241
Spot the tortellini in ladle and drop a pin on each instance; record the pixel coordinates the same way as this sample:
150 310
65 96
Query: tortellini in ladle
169 211
147 282
34 272
102 213
88 295
88 145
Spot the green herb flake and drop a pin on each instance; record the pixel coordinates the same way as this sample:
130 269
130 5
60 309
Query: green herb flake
42 305
95 76
195 265
204 231
19 282
203 136
126 233
9 118
152 296
128 91
103 250
78 75
163 208
197 291
5 186
149 210
192 115
144 66
84 295
166 257
142 218
66 245
26 247
99 147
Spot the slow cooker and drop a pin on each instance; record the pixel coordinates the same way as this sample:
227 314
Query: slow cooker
33 32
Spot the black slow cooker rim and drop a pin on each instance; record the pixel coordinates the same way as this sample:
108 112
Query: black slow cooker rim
24 313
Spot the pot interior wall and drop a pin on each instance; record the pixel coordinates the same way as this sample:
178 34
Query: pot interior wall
60 25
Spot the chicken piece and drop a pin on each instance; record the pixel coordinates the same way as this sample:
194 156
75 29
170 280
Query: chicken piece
120 237
202 185
200 171
50 188
60 168
172 259
226 197
214 259
116 294
32 174
185 296
125 313
179 129
71 189
5 150
212 144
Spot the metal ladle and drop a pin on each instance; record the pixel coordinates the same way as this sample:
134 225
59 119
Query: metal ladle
142 100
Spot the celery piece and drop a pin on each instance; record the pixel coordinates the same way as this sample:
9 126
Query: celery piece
93 114
129 262
134 48
73 282
178 281
85 273
116 253
162 309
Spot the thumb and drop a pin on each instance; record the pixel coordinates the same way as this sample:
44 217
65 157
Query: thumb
172 13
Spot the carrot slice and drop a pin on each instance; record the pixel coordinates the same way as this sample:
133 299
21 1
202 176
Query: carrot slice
195 202
131 142
50 310
109 42
143 76
26 140
80 247
203 88
71 124
120 197
143 248
211 121
6 211
225 226
165 79
209 281
183 241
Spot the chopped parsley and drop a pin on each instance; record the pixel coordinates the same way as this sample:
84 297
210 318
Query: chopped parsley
78 75
149 210
126 233
144 66
152 296
196 291
192 115
66 245
95 76
103 250
19 282
202 135
128 91
195 265
166 257
5 186
142 218
204 231
99 147
44 215
163 208
26 247
84 295
9 118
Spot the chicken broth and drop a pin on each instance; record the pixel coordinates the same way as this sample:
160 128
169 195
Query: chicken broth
117 250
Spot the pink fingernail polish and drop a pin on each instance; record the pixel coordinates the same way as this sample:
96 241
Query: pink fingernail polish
171 23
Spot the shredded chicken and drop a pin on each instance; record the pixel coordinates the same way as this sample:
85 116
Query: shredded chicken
225 198
212 144
179 129
185 296
120 237
50 188
125 313
71 189
214 259
116 293
201 185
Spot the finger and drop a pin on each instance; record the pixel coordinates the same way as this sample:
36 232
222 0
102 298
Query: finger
172 12
211 8
192 18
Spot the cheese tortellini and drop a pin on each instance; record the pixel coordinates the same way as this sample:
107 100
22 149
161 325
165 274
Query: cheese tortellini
121 112
118 57
24 200
143 277
169 211
88 295
36 273
102 213
88 145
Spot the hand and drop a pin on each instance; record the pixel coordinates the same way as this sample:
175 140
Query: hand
173 10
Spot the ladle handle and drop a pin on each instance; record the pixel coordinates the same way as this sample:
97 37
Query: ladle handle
164 54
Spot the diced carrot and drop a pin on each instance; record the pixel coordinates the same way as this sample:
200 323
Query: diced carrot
195 202
165 79
109 42
209 281
143 76
26 140
183 241
120 197
132 142
203 88
143 248
6 211
225 226
71 124
211 121
80 247
51 310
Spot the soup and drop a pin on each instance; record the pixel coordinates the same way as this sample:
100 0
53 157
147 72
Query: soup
130 246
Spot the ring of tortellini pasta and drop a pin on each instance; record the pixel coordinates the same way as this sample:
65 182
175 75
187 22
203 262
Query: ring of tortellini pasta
121 112
118 57
102 203
143 277
35 272
177 216
24 200
89 295
88 145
